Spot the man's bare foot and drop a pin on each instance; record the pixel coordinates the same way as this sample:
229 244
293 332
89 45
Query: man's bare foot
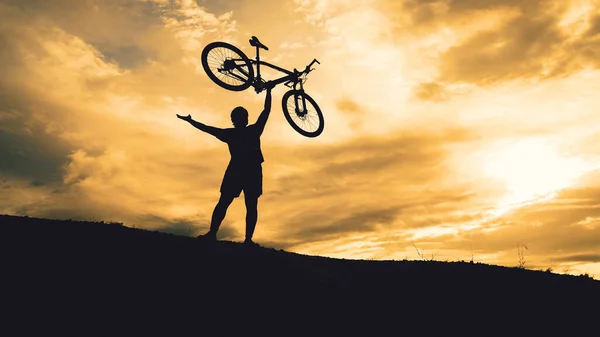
209 236
250 243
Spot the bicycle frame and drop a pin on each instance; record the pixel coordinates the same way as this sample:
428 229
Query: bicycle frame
290 77
293 77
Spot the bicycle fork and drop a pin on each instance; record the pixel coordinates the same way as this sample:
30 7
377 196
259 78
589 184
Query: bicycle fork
298 96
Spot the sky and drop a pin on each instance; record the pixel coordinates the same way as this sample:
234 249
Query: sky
454 129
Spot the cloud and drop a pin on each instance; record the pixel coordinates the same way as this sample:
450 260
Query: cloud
348 105
524 48
356 187
185 227
32 154
313 228
594 27
580 258
27 147
192 25
431 91
73 117
353 112
127 42
501 40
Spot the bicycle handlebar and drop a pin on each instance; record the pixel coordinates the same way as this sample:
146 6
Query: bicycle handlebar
307 69
304 72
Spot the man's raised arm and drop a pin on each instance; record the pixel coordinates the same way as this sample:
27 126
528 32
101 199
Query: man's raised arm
264 115
217 132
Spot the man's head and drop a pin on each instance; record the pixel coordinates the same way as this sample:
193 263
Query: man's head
239 117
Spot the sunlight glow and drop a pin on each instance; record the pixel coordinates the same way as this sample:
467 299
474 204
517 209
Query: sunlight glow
532 171
441 230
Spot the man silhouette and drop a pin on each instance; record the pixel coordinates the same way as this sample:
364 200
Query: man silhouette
244 171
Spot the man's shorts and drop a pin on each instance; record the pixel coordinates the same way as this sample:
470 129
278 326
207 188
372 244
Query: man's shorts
248 179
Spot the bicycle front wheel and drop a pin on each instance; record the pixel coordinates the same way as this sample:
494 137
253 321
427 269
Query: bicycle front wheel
227 66
303 113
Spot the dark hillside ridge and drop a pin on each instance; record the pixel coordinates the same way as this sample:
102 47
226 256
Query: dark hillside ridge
72 278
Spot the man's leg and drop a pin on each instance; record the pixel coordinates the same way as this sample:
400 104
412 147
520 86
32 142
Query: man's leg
219 213
251 215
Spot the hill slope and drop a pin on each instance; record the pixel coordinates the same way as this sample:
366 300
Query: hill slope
82 278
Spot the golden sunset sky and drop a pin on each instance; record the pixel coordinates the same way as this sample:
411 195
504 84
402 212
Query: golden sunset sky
461 127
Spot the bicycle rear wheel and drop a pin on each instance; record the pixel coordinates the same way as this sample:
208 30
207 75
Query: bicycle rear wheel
227 66
303 113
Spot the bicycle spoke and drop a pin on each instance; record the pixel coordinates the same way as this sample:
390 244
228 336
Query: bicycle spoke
216 61
307 119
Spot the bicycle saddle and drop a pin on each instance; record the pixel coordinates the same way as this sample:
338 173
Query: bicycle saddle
255 43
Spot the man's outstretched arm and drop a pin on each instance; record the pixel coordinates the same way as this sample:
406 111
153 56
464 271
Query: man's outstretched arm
217 132
264 115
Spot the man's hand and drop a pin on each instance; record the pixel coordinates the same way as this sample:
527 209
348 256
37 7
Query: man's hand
187 118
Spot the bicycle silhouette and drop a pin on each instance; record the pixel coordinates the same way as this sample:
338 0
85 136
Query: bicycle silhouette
231 69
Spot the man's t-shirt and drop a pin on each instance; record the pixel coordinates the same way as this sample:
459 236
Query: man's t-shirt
244 146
